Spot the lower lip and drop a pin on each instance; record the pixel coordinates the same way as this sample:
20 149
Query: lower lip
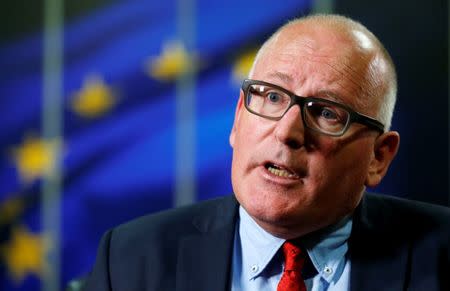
272 178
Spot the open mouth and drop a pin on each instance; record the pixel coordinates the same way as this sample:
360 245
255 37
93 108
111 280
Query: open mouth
280 171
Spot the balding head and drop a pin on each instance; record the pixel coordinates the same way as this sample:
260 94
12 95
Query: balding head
379 85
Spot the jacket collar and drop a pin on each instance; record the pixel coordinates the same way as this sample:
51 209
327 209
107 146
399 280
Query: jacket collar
379 256
204 258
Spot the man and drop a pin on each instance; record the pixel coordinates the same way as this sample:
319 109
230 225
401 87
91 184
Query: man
311 131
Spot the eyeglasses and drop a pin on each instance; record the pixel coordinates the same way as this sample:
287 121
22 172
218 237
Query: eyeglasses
323 116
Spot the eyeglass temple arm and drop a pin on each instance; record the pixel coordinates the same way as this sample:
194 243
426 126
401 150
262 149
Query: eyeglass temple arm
369 121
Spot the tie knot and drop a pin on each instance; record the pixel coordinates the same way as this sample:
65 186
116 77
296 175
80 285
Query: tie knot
294 256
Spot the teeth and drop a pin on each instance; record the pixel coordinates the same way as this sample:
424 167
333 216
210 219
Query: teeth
281 172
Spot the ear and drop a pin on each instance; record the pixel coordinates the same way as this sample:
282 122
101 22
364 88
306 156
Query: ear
385 149
237 116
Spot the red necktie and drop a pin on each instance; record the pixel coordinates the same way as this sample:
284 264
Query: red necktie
294 259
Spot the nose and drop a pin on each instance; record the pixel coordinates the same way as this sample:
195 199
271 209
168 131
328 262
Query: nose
290 129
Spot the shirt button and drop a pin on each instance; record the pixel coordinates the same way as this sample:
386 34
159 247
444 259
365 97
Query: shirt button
328 270
255 268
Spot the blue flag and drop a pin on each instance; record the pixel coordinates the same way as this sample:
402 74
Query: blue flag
121 66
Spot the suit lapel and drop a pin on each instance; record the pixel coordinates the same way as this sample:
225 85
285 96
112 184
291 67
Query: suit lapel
379 256
204 258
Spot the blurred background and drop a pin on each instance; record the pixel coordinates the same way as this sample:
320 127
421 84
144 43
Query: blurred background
113 109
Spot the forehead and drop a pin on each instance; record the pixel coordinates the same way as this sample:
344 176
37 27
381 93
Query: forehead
313 62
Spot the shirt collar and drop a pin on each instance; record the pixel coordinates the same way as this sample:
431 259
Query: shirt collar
326 248
258 246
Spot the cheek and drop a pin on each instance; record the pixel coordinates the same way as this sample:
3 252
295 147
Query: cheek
245 140
341 169
250 135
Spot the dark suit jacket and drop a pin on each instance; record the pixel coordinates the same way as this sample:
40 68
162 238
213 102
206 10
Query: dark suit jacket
395 245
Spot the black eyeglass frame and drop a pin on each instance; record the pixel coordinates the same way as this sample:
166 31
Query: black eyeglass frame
301 101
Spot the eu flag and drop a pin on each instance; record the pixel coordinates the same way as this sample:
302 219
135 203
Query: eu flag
131 139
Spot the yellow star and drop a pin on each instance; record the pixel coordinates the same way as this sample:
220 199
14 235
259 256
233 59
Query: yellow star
24 254
10 210
94 99
35 158
243 64
172 63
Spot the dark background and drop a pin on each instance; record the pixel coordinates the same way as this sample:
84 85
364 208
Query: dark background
416 35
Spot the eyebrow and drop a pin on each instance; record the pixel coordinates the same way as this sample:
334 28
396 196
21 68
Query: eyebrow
334 97
282 76
288 79
321 93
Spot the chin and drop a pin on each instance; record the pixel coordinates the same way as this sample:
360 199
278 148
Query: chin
272 211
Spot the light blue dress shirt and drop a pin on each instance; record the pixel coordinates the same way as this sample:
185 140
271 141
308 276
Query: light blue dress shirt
258 264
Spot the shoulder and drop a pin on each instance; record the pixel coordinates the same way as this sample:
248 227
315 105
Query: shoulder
145 250
170 224
397 237
437 213
401 214
393 222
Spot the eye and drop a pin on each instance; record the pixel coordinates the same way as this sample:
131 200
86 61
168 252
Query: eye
328 113
324 112
273 97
